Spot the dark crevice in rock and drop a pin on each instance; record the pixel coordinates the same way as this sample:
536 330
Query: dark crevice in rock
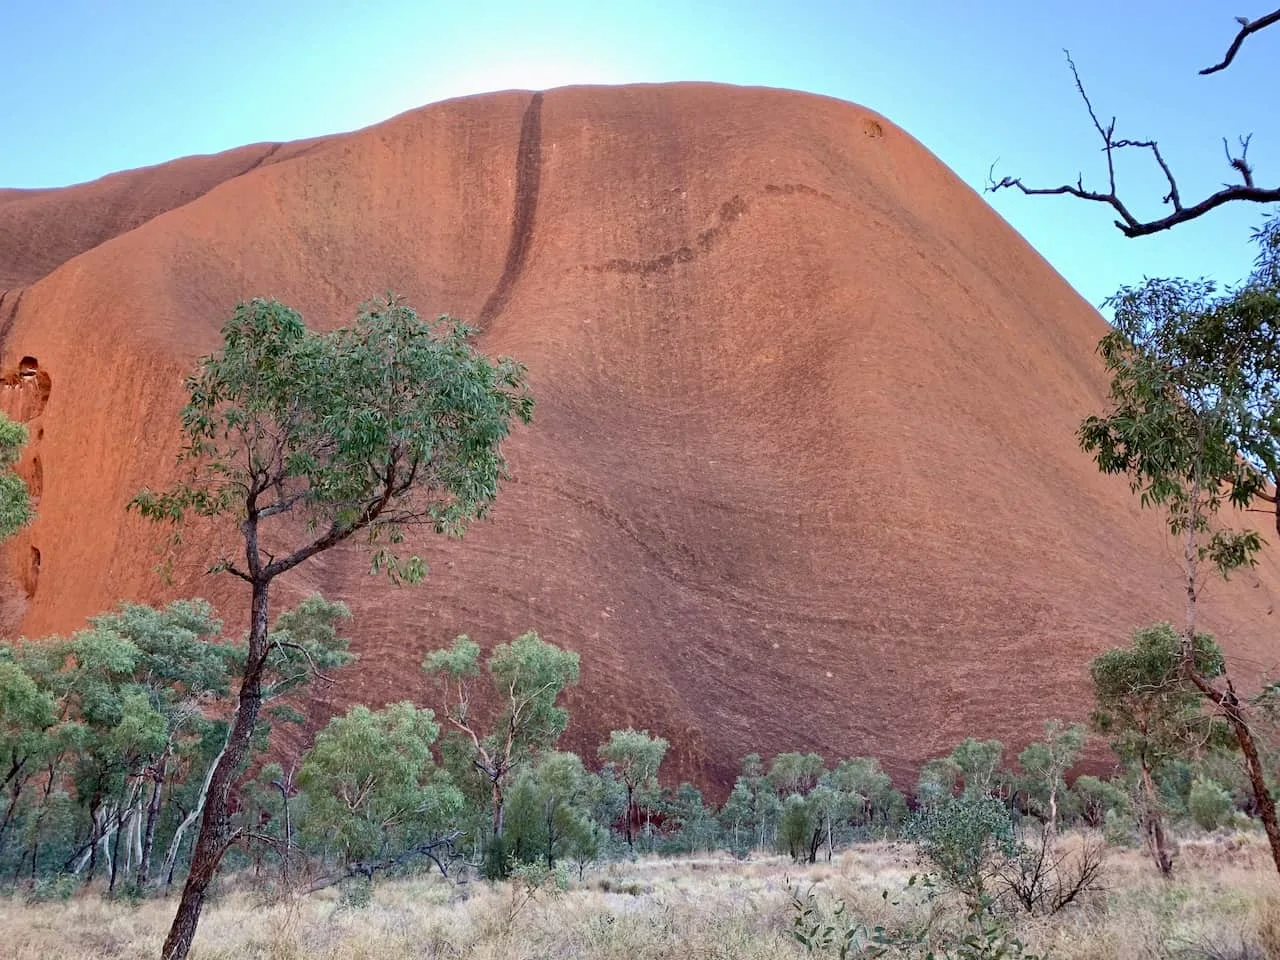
528 183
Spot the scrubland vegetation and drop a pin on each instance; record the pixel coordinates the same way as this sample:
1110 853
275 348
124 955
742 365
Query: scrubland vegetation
1222 904
461 831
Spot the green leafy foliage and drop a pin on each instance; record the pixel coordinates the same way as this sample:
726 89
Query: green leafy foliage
373 788
636 758
979 762
532 674
795 772
307 439
1145 706
1154 718
873 802
1195 400
1097 799
304 642
524 718
1209 805
527 675
550 812
963 840
938 779
15 501
830 930
692 826
1045 764
750 815
389 423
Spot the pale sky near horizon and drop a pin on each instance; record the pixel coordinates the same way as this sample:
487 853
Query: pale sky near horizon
90 88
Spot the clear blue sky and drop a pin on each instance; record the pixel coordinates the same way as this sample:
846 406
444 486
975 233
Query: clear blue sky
92 87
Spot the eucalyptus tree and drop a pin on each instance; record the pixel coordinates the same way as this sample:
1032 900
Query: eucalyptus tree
1194 424
692 827
1046 762
873 800
177 671
550 811
1152 718
753 807
979 764
521 718
636 757
27 713
306 440
795 772
937 781
303 643
1096 798
375 795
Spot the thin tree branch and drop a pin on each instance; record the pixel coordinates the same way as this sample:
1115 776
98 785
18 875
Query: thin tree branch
337 533
367 868
282 645
1247 27
235 571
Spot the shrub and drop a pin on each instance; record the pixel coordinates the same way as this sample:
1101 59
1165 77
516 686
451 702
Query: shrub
58 888
832 931
1048 874
1118 830
1209 804
964 839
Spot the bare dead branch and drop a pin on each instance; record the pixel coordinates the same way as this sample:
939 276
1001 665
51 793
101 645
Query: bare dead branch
1247 27
431 849
1129 224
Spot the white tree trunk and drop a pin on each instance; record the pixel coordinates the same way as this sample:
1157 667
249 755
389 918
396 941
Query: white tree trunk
171 856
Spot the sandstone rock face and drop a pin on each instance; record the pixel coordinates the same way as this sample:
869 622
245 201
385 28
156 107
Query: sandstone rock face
802 473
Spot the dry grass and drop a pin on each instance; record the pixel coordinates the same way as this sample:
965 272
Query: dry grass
1225 903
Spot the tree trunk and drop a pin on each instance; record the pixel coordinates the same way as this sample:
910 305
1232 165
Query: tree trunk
288 836
94 837
10 808
114 865
105 843
631 811
215 834
1229 705
175 844
1227 702
549 813
136 826
123 817
1257 778
153 815
499 811
288 828
1153 826
44 808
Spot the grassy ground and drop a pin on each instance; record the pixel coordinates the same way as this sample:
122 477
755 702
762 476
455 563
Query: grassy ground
1224 904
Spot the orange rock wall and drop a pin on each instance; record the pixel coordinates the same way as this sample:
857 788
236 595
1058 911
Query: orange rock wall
803 472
